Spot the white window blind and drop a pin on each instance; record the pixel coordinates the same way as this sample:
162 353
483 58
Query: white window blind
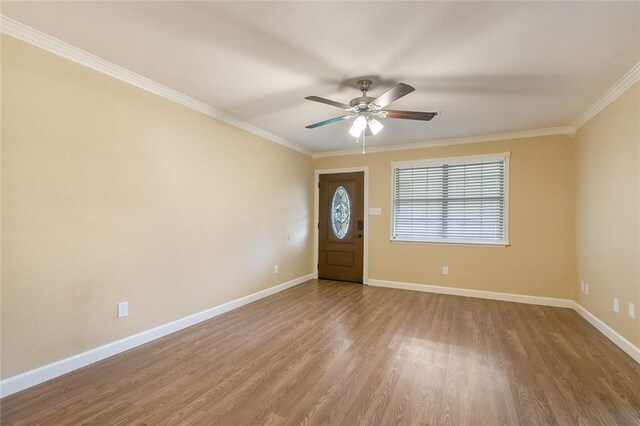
451 200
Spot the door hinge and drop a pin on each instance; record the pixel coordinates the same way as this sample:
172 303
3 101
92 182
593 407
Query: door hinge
318 225
318 266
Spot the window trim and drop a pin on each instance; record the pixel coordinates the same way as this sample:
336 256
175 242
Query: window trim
503 156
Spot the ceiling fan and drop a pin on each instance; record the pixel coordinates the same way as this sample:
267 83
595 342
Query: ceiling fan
366 109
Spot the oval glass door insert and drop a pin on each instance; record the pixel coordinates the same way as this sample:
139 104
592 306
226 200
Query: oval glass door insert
340 212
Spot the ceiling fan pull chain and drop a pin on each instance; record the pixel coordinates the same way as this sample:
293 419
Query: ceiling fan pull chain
364 141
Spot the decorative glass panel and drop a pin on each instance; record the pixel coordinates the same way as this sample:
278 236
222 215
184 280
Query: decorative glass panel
340 212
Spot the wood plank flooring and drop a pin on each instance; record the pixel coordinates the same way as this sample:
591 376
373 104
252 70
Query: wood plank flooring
331 353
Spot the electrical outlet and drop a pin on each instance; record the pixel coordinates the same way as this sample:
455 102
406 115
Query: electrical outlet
582 286
616 306
275 269
445 270
586 289
123 309
632 311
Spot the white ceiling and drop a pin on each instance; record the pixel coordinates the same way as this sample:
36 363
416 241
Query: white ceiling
490 67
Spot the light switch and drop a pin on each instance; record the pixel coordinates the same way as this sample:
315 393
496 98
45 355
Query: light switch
375 211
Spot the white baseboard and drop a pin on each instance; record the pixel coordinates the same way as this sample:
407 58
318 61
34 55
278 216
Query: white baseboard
47 372
632 350
481 294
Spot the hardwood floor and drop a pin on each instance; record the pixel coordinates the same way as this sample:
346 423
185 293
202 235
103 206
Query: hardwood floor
332 353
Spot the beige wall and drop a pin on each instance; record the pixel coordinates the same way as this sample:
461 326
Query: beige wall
540 260
608 176
110 193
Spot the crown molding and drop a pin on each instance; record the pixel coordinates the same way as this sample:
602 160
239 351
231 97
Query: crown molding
39 39
550 131
622 85
628 80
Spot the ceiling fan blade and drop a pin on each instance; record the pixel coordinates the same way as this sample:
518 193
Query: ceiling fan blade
393 94
329 121
411 115
329 102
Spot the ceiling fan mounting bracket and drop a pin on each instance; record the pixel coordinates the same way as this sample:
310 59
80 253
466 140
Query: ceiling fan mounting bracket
364 85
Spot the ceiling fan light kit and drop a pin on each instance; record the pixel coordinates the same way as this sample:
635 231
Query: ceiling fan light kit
366 109
358 126
375 126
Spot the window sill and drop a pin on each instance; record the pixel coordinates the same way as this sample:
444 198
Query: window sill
499 244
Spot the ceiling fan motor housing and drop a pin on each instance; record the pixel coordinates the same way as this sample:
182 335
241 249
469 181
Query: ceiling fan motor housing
361 102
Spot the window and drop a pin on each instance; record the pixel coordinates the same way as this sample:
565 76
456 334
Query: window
451 200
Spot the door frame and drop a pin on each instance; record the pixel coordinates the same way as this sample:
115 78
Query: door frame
365 209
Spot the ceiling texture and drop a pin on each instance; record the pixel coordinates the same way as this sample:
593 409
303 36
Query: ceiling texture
489 67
